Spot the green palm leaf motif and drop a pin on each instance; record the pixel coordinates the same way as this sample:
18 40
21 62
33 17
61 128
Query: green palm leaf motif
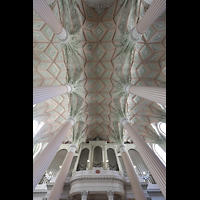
117 132
119 108
76 102
79 132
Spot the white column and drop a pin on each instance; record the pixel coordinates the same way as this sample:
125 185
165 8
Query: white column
110 195
155 94
43 160
42 8
60 180
44 93
84 194
134 181
156 8
153 163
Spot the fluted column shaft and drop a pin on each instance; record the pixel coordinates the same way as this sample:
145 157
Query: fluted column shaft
44 93
155 166
155 94
44 11
60 180
134 181
43 160
156 8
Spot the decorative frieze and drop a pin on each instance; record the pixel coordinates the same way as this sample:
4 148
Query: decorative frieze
96 178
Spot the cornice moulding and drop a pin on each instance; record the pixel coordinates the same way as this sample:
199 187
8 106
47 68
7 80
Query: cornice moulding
97 178
39 192
153 191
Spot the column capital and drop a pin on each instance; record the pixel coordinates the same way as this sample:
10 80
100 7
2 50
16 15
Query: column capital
71 120
148 1
124 121
63 36
69 87
50 1
127 87
110 194
84 194
122 148
72 148
134 36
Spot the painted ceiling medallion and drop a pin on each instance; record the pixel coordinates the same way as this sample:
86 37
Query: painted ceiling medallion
99 5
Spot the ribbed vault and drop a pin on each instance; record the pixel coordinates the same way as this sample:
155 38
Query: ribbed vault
99 54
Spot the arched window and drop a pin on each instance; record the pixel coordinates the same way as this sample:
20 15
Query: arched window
160 153
162 128
97 157
36 127
72 166
36 149
112 160
123 166
139 165
54 167
82 163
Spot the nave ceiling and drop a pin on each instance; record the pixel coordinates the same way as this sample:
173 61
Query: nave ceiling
99 36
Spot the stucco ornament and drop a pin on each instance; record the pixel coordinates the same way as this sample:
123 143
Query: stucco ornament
99 5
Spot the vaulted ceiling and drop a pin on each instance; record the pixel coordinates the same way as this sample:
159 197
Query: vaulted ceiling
99 37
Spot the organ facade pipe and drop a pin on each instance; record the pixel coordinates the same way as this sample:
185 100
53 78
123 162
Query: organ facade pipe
155 166
44 159
155 94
